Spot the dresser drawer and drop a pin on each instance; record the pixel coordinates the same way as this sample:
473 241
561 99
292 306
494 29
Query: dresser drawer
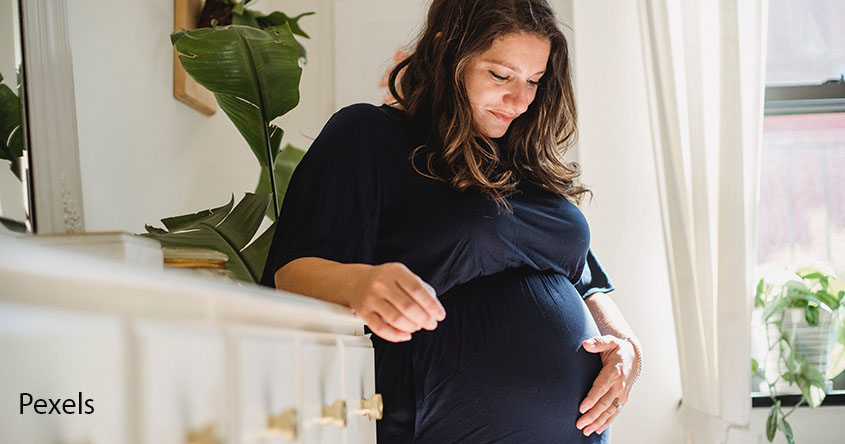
324 409
267 385
54 354
181 383
363 404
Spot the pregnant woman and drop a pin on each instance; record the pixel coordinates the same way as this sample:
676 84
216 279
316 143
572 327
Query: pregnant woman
448 222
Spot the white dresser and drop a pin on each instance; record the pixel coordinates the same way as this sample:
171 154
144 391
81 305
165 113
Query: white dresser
168 358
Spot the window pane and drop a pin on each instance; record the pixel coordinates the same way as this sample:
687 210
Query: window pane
805 41
801 214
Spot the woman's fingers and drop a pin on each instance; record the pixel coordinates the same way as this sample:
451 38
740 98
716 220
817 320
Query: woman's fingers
604 421
382 329
421 293
394 317
603 383
588 420
393 296
607 422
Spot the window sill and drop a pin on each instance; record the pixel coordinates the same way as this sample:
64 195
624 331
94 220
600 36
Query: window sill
759 400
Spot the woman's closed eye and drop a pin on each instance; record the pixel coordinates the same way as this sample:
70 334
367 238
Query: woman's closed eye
503 79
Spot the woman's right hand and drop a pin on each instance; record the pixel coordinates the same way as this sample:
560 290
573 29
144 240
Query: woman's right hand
394 302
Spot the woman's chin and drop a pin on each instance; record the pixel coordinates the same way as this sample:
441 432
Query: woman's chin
495 133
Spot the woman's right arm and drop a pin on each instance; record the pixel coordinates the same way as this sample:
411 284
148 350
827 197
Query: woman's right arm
392 300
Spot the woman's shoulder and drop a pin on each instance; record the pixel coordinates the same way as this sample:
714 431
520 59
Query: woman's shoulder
371 116
363 130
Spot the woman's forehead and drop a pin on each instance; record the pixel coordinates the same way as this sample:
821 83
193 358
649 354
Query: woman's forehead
520 52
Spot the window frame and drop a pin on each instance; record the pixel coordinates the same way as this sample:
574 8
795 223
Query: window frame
827 97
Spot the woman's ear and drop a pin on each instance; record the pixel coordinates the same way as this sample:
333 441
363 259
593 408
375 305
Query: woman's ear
436 36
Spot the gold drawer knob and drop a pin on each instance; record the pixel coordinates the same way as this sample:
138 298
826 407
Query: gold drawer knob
373 407
283 425
335 414
205 435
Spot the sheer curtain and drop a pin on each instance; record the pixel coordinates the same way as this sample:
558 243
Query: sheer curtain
704 66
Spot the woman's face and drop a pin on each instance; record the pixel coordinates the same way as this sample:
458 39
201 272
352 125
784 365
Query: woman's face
502 81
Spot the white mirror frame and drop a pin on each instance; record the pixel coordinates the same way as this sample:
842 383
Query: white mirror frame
56 183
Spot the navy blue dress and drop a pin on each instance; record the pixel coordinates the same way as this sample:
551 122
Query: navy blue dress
506 365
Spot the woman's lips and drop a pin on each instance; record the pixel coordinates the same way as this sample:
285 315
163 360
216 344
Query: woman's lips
503 117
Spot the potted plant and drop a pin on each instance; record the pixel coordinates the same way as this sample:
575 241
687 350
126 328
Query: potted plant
800 321
254 75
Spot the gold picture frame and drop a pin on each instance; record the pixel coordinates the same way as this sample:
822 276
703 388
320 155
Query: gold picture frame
186 16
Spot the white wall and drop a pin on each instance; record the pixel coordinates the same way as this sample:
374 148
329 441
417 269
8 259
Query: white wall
616 155
824 425
367 35
144 155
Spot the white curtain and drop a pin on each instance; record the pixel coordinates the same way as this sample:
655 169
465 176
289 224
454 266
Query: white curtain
704 66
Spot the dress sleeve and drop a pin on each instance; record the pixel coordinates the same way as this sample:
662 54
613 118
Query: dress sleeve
593 278
333 200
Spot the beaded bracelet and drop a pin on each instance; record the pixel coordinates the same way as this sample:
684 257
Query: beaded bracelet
639 357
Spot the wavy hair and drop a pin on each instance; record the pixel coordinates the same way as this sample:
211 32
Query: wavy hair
429 85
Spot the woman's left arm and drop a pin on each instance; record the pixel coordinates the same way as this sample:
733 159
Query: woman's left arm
620 363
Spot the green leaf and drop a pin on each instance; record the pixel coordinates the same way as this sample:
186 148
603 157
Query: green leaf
229 236
754 366
809 379
13 225
840 335
246 18
279 18
829 301
206 236
276 135
787 431
811 314
11 137
836 365
254 75
286 162
774 306
758 296
799 299
153 230
212 217
240 226
255 255
772 421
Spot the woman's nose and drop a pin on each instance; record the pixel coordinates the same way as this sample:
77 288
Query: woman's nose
519 97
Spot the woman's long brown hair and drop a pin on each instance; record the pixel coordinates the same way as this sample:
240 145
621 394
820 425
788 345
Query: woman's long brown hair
429 85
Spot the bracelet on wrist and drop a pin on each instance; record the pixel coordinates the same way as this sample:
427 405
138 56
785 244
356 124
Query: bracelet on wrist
639 357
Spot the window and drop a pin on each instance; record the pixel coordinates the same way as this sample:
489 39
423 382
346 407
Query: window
801 211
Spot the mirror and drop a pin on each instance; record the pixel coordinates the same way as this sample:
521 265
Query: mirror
35 38
14 204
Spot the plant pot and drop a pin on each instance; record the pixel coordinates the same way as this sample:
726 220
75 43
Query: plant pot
813 342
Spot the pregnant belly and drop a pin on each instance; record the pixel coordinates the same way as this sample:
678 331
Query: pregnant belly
507 362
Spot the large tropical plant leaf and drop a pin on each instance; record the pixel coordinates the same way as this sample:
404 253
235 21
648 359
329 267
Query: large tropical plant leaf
286 161
223 229
255 254
246 17
253 73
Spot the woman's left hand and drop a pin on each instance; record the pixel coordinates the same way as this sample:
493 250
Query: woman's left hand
619 364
